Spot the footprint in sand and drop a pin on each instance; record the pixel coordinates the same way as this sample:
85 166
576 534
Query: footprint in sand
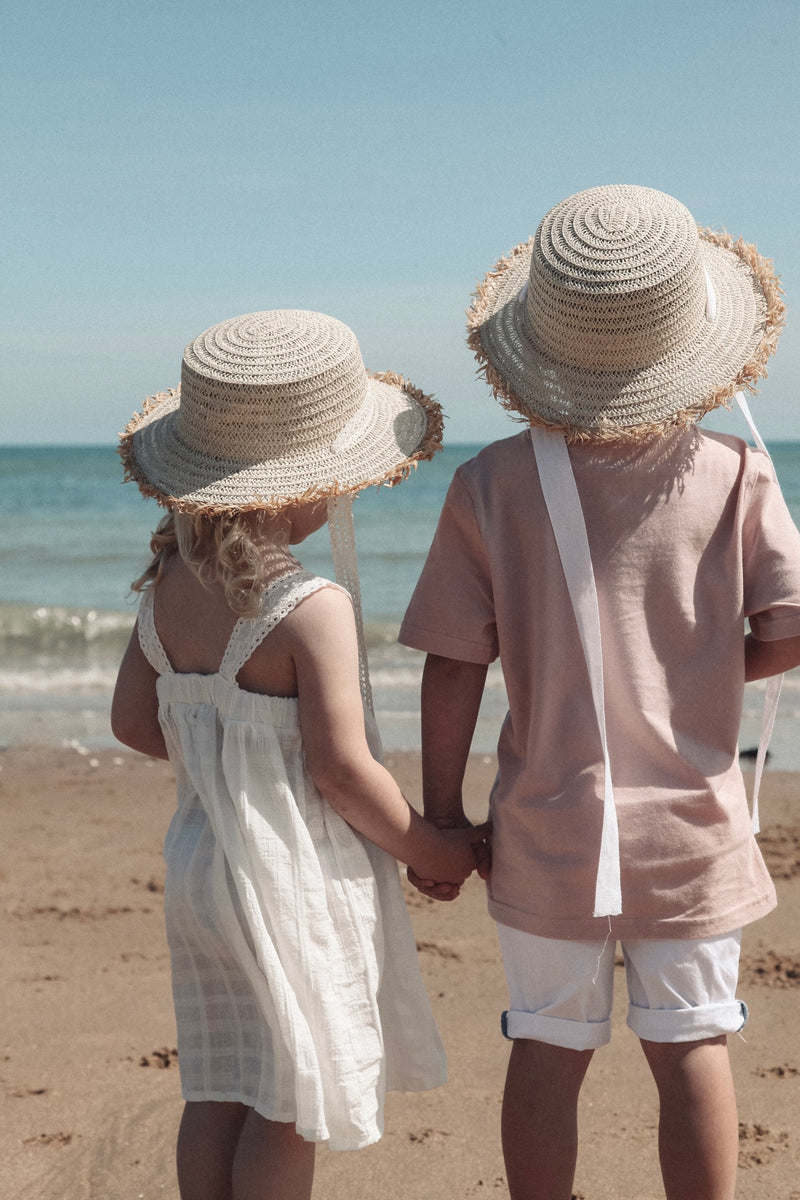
782 1072
438 949
49 1139
781 850
163 1058
757 1144
770 968
76 914
428 1137
156 886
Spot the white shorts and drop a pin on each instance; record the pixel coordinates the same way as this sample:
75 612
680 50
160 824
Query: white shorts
561 991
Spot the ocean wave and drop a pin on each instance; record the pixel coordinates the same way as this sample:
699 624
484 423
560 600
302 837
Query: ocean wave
58 681
393 675
62 630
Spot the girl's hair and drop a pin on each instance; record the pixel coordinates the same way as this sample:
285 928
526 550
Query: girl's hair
236 550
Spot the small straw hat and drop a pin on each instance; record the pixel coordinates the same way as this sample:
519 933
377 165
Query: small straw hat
621 320
275 408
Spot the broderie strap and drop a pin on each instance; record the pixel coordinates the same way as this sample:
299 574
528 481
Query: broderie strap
149 640
280 598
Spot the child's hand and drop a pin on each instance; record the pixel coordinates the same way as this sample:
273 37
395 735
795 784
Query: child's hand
428 887
476 838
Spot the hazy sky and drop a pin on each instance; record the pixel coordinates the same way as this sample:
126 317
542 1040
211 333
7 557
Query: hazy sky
168 165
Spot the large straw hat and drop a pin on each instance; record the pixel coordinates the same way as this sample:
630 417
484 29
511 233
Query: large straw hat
276 408
622 320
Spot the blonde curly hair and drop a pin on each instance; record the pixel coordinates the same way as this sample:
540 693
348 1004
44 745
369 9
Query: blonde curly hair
237 551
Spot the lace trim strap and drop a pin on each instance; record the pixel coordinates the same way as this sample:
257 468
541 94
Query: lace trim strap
280 598
149 640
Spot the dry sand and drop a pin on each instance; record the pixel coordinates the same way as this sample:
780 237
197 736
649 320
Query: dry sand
88 1072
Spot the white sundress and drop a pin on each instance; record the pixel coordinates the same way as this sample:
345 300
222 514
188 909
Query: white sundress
294 968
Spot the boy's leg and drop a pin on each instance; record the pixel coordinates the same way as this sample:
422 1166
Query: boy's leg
559 1013
207 1141
698 1132
540 1119
682 1005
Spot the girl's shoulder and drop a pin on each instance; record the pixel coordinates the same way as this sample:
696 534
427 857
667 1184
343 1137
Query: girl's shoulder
302 617
311 636
312 604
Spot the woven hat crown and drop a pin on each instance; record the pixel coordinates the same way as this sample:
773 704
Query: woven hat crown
274 409
622 320
616 280
268 384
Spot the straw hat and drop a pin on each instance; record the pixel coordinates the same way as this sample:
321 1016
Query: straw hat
275 408
621 319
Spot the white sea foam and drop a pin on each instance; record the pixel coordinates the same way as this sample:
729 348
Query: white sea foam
57 681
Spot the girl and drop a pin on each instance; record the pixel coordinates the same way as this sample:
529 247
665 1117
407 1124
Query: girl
297 991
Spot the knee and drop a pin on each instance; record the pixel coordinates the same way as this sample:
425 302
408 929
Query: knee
675 1051
672 1062
545 1060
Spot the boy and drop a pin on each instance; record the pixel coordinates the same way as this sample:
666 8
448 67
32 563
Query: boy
609 555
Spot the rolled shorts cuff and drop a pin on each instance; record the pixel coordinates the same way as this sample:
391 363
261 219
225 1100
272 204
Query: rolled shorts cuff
687 1024
555 1031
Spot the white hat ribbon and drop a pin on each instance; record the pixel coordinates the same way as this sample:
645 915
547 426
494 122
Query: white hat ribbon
345 564
566 517
774 683
569 528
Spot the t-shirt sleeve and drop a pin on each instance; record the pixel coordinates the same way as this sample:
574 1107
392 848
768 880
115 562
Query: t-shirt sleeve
451 612
771 557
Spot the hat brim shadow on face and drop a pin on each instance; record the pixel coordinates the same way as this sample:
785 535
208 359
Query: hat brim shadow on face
725 354
396 426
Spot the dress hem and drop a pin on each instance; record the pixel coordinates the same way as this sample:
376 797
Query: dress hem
308 1135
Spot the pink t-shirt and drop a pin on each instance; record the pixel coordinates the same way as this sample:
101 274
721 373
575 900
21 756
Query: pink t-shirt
689 535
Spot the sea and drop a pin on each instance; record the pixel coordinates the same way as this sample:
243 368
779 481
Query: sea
73 536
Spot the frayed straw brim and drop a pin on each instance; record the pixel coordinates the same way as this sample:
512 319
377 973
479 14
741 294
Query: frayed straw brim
396 427
726 356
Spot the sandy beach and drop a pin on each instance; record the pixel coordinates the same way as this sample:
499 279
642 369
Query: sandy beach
89 1077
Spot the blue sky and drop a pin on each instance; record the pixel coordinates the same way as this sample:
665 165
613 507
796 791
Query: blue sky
171 164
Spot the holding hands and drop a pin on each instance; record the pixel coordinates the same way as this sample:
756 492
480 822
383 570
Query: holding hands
461 834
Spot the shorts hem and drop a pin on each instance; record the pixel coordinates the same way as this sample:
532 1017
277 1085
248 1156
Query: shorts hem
555 1031
687 1024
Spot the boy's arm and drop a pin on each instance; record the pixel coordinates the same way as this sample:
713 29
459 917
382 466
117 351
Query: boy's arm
762 659
450 701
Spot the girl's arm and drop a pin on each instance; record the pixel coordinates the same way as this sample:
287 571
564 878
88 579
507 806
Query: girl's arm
134 709
325 653
762 659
